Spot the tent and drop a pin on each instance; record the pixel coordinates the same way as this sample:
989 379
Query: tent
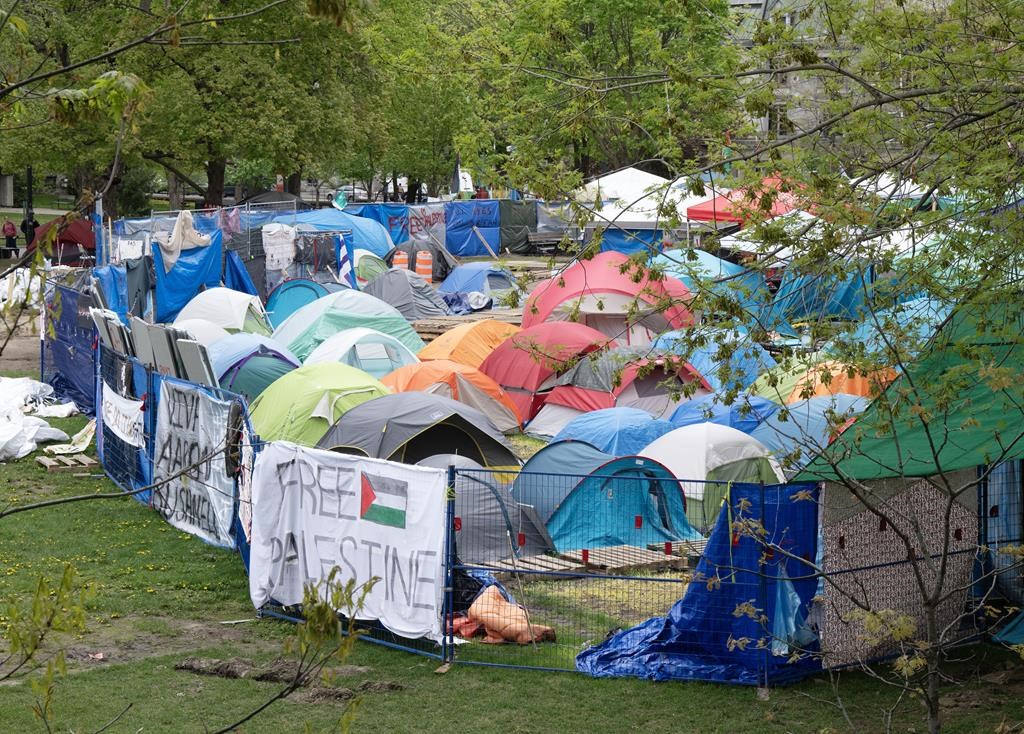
368 266
203 331
366 234
411 426
443 261
798 432
726 361
597 293
813 375
733 208
457 381
706 458
627 184
291 295
414 297
469 344
621 377
700 271
303 404
744 413
231 310
492 525
482 277
73 243
304 330
248 363
526 364
371 351
589 499
615 431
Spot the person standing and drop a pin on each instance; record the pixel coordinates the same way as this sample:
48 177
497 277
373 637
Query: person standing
10 238
28 228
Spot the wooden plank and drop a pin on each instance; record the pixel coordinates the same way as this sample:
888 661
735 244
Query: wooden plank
75 462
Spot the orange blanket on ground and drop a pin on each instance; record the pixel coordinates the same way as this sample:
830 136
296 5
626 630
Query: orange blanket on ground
506 622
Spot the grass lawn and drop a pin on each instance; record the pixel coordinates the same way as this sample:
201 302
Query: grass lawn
161 596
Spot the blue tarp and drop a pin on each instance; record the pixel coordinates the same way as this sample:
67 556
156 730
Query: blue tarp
628 241
130 467
813 297
919 318
745 413
113 282
69 359
194 269
698 268
708 634
462 216
236 277
727 361
394 218
796 433
366 233
615 431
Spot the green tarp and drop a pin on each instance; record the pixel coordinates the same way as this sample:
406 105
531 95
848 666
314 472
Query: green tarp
960 405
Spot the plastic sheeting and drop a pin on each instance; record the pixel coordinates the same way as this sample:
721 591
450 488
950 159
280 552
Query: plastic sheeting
113 283
629 241
193 270
517 219
615 431
236 277
69 361
367 234
461 217
393 217
726 361
698 638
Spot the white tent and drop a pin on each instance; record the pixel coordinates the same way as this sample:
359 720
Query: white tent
229 309
650 211
203 331
367 349
627 185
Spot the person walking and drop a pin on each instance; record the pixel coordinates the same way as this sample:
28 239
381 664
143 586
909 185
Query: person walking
10 238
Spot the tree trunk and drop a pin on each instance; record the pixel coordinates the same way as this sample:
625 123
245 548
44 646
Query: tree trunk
395 194
412 192
293 184
933 682
215 168
175 192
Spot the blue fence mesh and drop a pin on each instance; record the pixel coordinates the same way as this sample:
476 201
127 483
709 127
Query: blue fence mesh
68 360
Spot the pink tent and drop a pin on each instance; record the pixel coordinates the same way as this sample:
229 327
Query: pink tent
732 207
599 294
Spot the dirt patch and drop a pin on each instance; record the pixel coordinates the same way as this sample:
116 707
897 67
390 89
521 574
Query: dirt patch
21 353
322 694
276 671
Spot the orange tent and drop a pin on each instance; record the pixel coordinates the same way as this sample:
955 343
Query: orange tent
469 344
458 382
828 377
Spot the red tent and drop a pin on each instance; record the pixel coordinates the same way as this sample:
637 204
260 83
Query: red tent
71 242
731 207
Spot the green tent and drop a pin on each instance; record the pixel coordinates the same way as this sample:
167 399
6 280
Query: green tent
303 404
961 405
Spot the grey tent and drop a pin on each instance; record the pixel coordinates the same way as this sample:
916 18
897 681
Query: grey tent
409 293
444 261
491 525
410 426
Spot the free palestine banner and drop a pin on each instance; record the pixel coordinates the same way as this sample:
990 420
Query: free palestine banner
372 519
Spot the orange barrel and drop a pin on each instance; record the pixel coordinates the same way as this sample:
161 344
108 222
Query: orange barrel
401 260
425 265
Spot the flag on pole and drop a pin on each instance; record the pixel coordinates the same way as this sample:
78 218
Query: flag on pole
346 271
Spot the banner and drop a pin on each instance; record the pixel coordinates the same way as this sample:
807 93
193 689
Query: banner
191 425
427 223
123 416
372 519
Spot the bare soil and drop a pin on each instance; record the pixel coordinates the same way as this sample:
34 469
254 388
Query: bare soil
21 353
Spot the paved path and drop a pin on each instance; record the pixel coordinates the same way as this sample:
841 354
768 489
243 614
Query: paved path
38 210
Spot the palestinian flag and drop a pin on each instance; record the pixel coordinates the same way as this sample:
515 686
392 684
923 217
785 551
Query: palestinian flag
384 500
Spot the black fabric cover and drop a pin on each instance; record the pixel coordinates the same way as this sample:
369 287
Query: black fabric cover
141 279
518 219
444 261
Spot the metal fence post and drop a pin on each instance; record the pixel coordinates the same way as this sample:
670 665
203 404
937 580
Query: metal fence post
448 608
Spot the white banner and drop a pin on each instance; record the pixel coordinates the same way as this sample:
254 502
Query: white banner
372 519
123 416
427 221
191 425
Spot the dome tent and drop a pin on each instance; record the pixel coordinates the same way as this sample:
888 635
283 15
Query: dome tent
589 499
615 431
368 266
411 426
291 295
602 293
248 363
231 310
203 331
492 523
482 277
469 344
414 298
371 351
305 329
622 377
726 361
745 413
458 382
706 458
303 404
443 261
527 363
814 375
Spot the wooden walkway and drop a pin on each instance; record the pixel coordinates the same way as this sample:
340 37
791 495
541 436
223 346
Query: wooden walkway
430 329
613 560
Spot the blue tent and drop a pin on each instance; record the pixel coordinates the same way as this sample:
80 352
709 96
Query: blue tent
727 361
615 431
590 499
697 639
291 295
366 233
482 277
803 297
697 268
394 218
796 433
744 414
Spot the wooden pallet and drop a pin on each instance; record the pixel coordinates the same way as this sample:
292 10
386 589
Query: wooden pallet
692 550
535 563
430 329
621 558
74 462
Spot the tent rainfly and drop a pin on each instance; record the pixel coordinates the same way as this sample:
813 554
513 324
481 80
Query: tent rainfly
231 310
371 351
414 297
469 344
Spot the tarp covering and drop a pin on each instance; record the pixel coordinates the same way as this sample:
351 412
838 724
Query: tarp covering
745 413
629 241
615 431
113 284
697 639
726 361
460 219
393 217
69 361
810 297
236 277
517 220
367 234
427 224
193 270
414 297
699 271
412 426
797 433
